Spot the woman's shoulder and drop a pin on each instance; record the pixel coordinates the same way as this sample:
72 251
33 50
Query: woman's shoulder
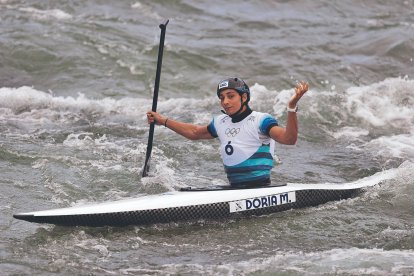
259 115
220 118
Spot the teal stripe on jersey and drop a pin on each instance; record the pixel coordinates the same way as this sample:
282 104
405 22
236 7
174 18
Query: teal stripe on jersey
257 167
211 128
241 178
265 124
251 166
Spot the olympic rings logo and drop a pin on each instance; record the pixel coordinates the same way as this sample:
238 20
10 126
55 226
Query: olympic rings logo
232 132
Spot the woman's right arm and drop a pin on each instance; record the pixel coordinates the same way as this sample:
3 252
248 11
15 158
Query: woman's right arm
189 131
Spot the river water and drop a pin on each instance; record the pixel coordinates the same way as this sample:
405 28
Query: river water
76 78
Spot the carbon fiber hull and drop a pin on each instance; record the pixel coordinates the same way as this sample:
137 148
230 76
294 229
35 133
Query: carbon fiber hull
271 200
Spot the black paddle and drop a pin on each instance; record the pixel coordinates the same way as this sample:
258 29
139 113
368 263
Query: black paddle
163 27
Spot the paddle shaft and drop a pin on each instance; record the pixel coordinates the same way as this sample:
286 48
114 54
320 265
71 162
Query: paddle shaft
163 27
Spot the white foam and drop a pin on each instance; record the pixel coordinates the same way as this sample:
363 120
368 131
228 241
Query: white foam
352 261
146 10
161 176
130 66
47 14
280 99
383 109
401 145
84 140
27 99
350 132
28 102
387 103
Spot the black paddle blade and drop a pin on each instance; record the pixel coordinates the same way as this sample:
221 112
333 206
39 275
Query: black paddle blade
145 171
146 168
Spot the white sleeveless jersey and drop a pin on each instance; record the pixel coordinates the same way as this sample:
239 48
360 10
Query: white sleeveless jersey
246 149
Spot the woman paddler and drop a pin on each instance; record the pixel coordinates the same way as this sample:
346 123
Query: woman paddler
247 137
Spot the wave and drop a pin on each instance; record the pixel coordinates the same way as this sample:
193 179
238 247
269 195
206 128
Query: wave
378 118
352 261
384 104
382 112
46 14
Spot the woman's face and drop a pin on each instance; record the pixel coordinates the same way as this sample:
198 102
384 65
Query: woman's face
231 102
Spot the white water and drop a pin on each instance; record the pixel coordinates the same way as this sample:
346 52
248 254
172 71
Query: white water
76 80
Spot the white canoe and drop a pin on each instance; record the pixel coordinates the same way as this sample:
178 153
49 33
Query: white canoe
195 204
